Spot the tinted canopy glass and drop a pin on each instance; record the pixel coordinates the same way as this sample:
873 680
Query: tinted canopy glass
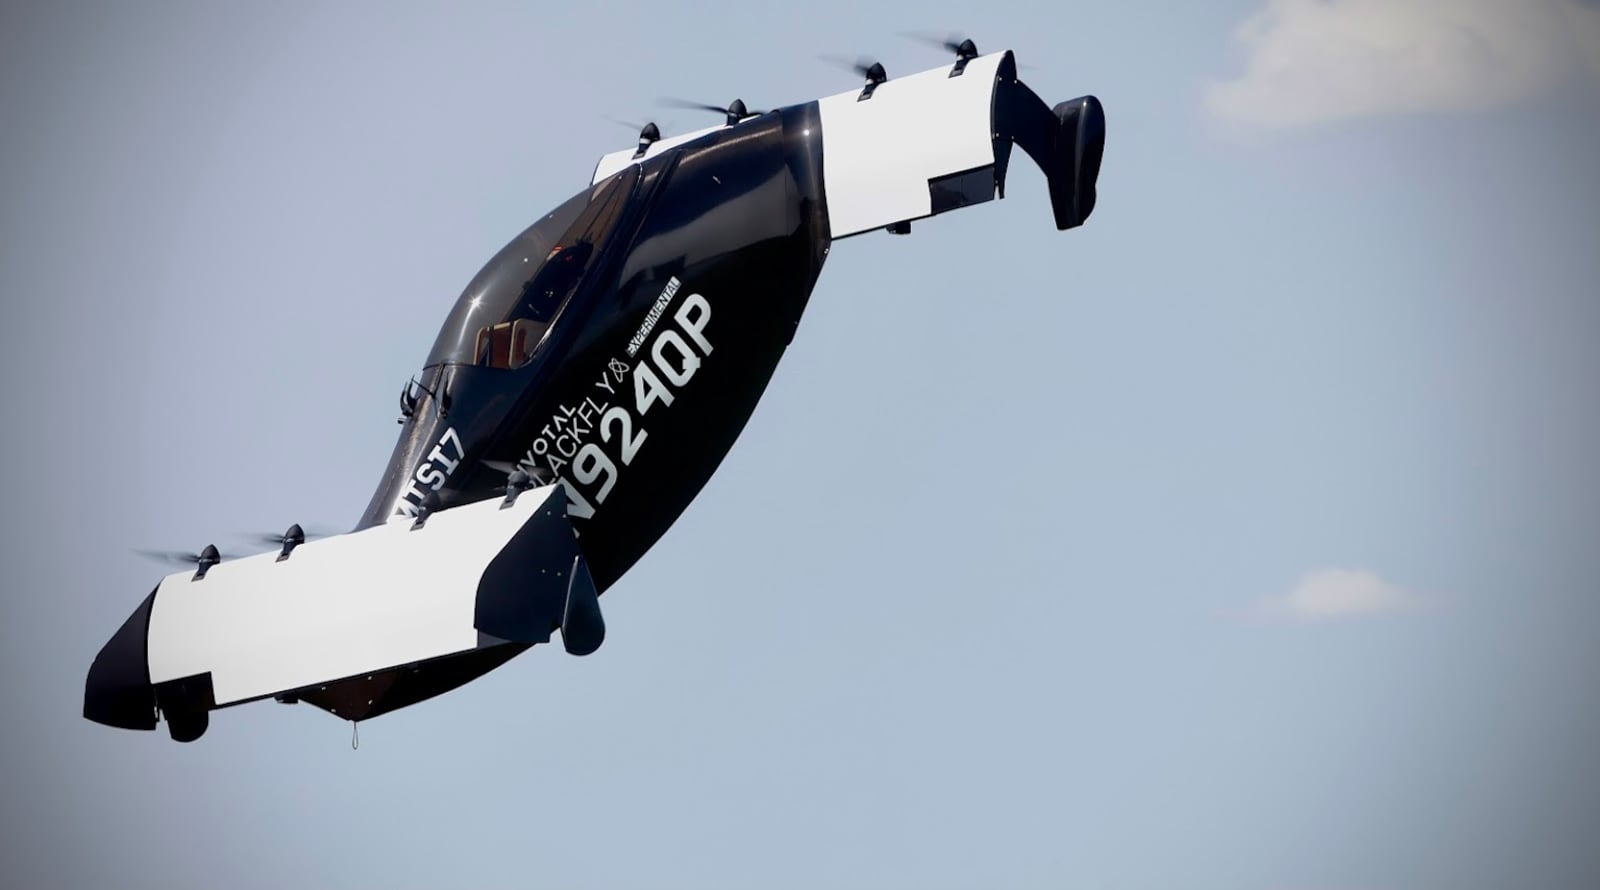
501 317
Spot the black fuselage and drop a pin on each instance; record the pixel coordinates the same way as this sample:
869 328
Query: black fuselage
696 266
618 346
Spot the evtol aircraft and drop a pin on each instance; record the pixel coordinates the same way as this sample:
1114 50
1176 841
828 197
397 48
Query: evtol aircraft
581 391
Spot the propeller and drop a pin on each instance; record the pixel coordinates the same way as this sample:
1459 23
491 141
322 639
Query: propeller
963 47
648 133
295 534
872 70
293 537
287 540
209 556
202 561
622 123
735 111
648 127
517 482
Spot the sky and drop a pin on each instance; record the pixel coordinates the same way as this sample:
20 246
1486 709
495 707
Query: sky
1241 539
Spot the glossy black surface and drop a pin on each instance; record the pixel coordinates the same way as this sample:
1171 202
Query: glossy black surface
117 691
1066 141
714 247
530 278
736 218
523 590
617 345
1080 144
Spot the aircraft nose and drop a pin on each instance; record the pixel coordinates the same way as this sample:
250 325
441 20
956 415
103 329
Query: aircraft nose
118 691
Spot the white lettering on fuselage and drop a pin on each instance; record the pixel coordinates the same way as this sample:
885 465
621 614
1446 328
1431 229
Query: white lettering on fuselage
653 316
565 450
431 473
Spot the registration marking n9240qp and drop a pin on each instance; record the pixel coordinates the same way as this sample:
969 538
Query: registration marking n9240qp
675 354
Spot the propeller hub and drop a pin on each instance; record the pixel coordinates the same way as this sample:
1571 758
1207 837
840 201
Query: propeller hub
648 135
733 112
875 75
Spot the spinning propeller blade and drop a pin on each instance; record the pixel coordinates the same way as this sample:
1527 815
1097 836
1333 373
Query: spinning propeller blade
209 556
963 47
176 557
283 537
862 65
734 111
636 127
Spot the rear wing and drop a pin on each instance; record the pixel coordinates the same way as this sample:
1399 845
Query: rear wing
903 149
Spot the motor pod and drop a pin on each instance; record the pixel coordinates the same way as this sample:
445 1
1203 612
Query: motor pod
1080 141
118 691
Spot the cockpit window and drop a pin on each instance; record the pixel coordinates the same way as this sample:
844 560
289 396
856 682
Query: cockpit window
508 344
502 316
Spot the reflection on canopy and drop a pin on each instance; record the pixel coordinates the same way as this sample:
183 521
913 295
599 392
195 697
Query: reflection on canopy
503 315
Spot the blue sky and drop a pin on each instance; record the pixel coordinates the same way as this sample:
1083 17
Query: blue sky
1241 539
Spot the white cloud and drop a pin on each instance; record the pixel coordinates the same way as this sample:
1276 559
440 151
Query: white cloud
1338 593
1311 61
1583 26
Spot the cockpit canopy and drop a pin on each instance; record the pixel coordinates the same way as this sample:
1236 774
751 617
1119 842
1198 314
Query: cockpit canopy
501 318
